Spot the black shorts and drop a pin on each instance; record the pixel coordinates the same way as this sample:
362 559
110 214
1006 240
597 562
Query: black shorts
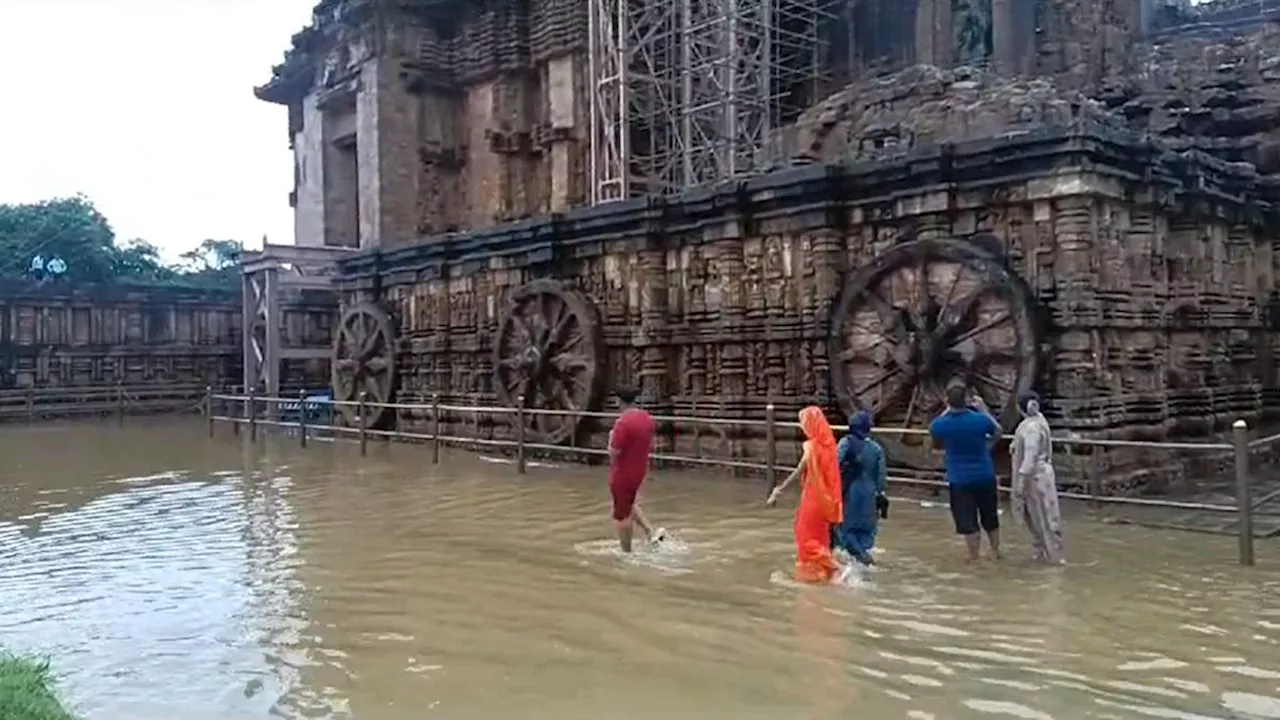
974 506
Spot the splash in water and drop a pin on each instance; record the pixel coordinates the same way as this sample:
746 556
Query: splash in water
671 554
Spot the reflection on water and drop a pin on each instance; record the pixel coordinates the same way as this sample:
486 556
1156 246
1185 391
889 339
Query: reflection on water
270 581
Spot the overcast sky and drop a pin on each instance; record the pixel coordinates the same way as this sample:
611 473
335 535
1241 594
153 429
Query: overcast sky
147 108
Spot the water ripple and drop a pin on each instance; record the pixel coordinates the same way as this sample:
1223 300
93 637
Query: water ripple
271 582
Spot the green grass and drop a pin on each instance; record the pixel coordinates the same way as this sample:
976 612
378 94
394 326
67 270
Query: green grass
27 691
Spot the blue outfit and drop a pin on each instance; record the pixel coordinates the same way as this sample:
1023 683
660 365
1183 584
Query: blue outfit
862 478
965 437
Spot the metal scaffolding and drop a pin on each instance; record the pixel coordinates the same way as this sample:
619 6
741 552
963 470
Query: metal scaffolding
632 64
689 92
271 279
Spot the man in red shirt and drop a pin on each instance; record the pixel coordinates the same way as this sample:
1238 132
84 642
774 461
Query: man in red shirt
629 443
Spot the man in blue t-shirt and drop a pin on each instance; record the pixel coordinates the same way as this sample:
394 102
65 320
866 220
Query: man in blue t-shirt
966 431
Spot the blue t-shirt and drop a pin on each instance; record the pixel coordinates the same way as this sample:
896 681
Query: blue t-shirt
964 435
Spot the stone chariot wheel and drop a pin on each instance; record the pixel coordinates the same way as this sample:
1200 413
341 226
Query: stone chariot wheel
548 351
364 361
926 314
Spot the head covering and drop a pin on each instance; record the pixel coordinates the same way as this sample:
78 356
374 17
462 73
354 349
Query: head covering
860 425
859 431
822 474
1029 404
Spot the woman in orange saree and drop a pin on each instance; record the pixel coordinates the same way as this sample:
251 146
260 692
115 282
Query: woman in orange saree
820 504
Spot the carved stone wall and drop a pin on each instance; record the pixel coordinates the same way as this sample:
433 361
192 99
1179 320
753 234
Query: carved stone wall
58 337
53 338
422 117
462 115
1135 300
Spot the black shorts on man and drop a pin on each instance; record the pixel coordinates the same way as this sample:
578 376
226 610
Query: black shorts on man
974 506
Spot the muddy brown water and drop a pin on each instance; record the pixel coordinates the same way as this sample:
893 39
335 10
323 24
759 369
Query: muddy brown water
168 575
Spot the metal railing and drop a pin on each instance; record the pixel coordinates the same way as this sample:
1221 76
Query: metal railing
32 404
248 406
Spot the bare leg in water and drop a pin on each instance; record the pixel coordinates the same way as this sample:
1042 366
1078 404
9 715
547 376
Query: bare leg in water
654 535
993 537
626 529
972 546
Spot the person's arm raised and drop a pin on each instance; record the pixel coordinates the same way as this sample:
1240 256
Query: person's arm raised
993 432
777 491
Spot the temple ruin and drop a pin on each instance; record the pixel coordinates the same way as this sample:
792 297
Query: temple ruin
739 202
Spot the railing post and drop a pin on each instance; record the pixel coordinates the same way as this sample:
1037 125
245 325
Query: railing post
253 414
302 418
120 404
235 410
435 428
520 464
771 444
31 406
208 406
1244 493
362 410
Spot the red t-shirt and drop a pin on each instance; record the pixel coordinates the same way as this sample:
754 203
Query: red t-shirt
632 436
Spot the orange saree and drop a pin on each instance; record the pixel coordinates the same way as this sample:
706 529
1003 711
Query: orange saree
820 504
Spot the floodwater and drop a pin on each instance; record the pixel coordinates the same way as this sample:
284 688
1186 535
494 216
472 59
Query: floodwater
169 575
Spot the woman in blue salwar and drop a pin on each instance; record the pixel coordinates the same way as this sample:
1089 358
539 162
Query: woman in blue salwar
862 480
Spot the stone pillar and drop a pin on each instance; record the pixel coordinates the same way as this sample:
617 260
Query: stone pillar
934 34
732 270
387 146
562 114
308 158
652 336
1004 43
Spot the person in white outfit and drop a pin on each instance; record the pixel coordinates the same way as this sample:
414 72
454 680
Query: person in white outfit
1034 486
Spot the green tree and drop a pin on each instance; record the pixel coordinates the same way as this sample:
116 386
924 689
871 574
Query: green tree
139 261
68 228
212 256
213 263
72 230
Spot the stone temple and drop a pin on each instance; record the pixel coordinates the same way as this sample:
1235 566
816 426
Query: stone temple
738 202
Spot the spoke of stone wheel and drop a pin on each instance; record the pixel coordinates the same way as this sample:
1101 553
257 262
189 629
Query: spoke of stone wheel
911 405
372 387
574 341
566 399
952 315
370 344
951 292
559 323
981 328
993 382
525 393
520 334
513 385
920 302
849 354
366 330
889 319
877 382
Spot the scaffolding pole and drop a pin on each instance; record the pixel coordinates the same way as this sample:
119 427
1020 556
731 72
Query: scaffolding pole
692 92
727 74
632 65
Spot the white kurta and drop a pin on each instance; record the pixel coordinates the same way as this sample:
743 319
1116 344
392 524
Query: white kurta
1035 487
